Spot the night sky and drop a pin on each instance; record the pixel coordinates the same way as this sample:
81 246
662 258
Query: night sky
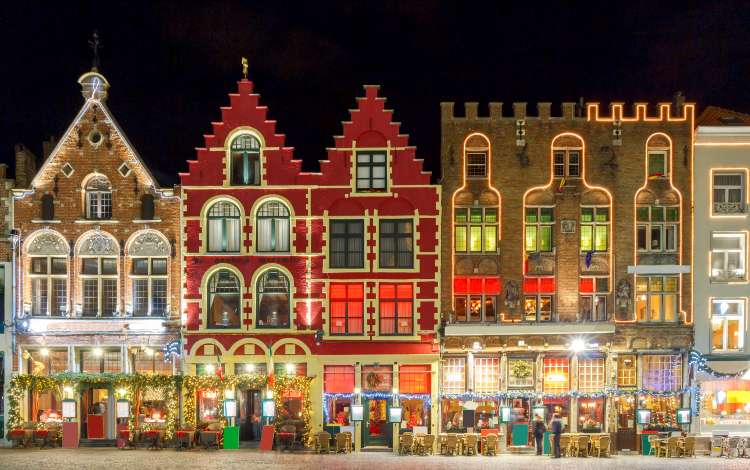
171 64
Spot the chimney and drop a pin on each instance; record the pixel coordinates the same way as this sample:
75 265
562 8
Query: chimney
3 171
25 166
678 101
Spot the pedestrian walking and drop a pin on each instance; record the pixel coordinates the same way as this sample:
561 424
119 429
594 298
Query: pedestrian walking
539 430
556 428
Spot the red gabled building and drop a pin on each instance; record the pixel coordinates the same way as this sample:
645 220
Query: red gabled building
333 275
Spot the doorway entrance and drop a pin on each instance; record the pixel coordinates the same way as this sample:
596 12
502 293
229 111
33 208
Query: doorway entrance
626 432
376 430
95 413
250 415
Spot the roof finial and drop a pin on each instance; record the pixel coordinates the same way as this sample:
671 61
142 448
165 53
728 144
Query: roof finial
244 67
95 45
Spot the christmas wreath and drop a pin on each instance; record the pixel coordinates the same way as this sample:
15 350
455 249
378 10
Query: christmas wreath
521 369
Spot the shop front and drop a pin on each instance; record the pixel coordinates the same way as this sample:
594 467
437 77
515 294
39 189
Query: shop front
724 406
377 398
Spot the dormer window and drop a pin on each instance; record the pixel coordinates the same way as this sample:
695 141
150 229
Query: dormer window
371 171
245 161
567 163
98 198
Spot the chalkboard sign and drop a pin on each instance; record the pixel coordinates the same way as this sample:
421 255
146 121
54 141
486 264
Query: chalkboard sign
468 418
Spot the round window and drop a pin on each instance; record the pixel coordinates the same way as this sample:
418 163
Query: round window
95 137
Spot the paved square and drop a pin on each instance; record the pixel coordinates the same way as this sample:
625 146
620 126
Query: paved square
113 459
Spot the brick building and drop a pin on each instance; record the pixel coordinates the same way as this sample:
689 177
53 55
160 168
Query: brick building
97 262
566 265
330 275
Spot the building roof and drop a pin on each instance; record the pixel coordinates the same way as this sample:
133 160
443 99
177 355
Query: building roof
717 116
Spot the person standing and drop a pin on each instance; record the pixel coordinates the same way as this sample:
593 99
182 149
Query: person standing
539 429
556 428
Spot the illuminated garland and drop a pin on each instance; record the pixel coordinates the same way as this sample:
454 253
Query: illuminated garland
283 385
131 383
699 361
193 383
327 397
609 392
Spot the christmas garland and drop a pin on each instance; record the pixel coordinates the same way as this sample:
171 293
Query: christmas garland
608 392
193 383
521 369
284 384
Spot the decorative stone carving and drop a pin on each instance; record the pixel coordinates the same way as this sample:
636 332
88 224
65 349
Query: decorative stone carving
149 244
541 263
512 294
599 263
623 295
98 244
48 243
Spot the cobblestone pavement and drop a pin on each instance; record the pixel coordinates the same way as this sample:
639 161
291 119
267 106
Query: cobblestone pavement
113 459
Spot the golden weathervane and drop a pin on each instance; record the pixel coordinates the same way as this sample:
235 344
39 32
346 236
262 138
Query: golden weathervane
244 67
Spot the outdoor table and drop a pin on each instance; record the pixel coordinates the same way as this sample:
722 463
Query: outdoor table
210 438
185 439
123 439
154 435
287 437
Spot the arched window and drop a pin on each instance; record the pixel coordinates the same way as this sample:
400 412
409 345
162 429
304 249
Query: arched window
98 198
224 227
48 270
99 255
272 224
224 300
273 300
245 161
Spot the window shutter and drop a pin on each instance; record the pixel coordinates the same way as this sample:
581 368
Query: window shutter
48 207
147 207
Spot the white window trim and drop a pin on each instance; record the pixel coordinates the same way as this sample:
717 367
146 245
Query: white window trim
50 280
742 269
148 278
662 226
99 278
724 319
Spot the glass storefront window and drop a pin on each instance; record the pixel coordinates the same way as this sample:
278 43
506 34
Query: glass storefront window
556 375
208 405
591 414
725 405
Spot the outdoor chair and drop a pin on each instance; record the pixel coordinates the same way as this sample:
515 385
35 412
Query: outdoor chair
742 448
210 436
653 445
405 443
731 447
470 444
565 445
673 448
687 447
287 434
427 446
580 446
342 442
324 442
601 446
490 444
717 445
451 444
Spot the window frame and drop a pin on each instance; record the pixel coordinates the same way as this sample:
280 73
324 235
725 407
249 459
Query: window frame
259 290
724 320
100 207
566 164
665 154
50 279
538 225
371 165
537 298
596 296
347 300
487 374
211 292
483 298
453 375
149 277
467 225
646 296
224 228
593 225
591 374
251 159
100 279
742 256
473 165
396 300
662 225
396 236
725 190
274 220
346 237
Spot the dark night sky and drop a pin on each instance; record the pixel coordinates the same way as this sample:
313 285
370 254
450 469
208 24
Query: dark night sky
171 64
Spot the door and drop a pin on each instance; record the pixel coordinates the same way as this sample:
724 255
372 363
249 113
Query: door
250 415
626 433
376 430
95 413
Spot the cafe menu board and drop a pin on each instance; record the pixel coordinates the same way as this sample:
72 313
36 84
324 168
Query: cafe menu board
684 415
643 416
505 414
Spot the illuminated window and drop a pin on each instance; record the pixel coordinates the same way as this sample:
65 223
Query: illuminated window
347 244
593 295
657 298
728 257
728 193
98 198
396 309
627 371
224 300
151 361
486 375
657 164
245 161
274 300
149 277
476 229
658 228
662 373
49 286
99 282
396 244
476 165
347 308
96 362
556 375
454 375
372 171
539 223
415 378
223 228
272 227
49 362
475 299
594 229
567 163
538 307
591 375
727 325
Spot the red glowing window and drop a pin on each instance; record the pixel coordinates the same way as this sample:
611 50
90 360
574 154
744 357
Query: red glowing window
339 379
414 379
476 285
347 309
586 284
396 309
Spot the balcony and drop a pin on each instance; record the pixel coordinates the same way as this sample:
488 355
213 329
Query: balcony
729 208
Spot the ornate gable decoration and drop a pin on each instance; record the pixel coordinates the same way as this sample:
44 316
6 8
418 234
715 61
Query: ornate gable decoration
149 244
49 243
98 244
